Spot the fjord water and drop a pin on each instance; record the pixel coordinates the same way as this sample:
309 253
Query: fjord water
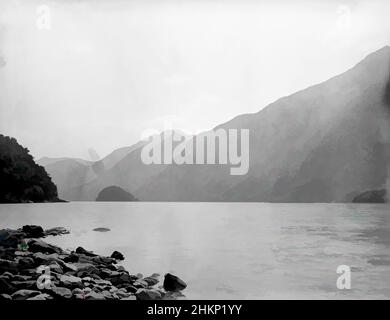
232 250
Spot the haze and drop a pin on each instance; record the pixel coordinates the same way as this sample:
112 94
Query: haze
106 71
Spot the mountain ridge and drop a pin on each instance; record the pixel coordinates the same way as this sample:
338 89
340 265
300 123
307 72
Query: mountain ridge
319 144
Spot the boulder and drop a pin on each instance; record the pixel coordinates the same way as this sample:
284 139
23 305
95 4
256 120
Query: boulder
152 280
45 259
81 250
70 281
140 284
41 246
42 296
4 296
26 263
6 286
69 267
117 255
173 283
94 296
55 268
60 292
30 284
72 258
147 294
7 265
10 238
24 294
103 260
56 231
32 231
128 287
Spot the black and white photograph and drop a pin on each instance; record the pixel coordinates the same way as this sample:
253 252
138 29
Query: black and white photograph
189 150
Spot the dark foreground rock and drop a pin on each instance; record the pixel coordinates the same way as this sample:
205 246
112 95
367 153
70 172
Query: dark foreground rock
117 255
173 283
31 269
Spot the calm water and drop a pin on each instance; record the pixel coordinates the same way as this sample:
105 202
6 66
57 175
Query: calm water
233 250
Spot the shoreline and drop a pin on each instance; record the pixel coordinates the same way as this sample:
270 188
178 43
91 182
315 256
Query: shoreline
31 269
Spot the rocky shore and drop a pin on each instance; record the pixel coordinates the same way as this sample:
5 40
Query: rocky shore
31 269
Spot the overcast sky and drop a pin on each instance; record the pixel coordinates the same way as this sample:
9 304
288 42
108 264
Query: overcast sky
106 70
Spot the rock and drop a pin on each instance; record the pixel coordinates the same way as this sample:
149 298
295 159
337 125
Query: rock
72 258
41 246
6 286
56 231
33 231
131 297
117 255
42 296
26 263
173 283
88 268
147 294
122 278
4 296
24 294
69 267
23 253
140 284
152 280
6 265
10 238
107 295
101 229
30 284
103 260
45 258
70 281
81 250
18 277
94 296
174 295
7 275
60 292
128 287
54 266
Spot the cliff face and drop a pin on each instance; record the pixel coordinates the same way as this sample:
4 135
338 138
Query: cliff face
21 179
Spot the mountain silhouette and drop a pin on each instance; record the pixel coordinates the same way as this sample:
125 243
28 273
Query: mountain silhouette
114 193
21 179
327 143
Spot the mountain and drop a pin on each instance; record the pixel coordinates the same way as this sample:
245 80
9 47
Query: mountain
114 193
326 143
371 196
70 173
21 179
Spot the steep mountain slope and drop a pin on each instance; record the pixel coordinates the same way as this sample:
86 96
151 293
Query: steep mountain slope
318 145
326 143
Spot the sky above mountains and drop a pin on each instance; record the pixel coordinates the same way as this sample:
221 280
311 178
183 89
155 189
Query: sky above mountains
105 71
